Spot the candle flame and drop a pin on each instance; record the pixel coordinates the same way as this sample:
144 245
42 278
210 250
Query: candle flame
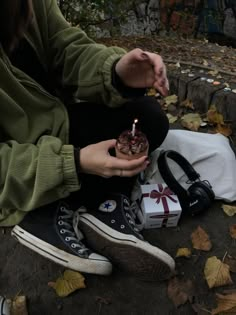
135 121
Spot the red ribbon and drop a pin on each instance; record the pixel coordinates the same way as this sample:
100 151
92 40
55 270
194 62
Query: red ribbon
162 195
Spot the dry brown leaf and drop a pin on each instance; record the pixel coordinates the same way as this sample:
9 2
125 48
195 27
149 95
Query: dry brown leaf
232 231
180 291
216 273
226 304
200 239
224 129
231 262
18 306
183 252
187 104
229 210
68 283
214 117
191 121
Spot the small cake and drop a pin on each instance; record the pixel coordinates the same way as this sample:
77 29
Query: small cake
130 147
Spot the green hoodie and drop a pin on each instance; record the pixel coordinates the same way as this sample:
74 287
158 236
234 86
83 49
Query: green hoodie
36 161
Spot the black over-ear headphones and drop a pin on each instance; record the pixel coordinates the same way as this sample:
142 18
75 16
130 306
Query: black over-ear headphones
199 196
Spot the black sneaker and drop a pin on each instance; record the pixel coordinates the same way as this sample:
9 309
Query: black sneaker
112 232
4 306
55 235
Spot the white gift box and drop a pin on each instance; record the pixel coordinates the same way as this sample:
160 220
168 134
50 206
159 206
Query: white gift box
160 206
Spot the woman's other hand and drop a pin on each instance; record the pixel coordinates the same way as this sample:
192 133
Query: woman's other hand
142 69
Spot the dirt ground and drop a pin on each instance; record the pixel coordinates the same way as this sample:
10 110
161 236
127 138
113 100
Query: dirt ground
25 273
22 272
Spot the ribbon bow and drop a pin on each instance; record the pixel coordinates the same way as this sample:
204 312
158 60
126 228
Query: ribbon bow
163 193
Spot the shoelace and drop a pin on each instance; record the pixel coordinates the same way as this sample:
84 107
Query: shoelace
134 213
69 220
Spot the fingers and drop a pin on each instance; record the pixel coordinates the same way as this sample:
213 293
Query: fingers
126 168
108 144
160 81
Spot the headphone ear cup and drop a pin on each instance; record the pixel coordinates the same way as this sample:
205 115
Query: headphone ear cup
204 185
201 197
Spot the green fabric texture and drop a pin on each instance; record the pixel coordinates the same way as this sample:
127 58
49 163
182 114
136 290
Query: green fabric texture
36 160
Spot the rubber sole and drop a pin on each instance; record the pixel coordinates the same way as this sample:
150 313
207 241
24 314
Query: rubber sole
93 266
127 252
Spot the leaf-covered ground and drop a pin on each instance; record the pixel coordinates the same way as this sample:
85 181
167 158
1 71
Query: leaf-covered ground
190 51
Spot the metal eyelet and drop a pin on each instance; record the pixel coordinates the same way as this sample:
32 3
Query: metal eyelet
62 231
60 222
62 208
73 245
122 226
67 239
113 221
126 201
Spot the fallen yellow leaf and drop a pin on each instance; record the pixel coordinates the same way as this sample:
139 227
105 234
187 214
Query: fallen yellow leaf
171 118
225 304
191 121
183 252
18 306
68 283
229 210
171 99
216 273
200 239
213 72
152 92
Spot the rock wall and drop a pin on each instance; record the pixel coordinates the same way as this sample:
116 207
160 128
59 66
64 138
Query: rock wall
186 17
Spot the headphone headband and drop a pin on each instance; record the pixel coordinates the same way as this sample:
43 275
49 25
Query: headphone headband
167 174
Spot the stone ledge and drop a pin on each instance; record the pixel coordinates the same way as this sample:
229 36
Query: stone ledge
204 94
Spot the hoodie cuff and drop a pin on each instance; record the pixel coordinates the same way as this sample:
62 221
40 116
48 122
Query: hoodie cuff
71 180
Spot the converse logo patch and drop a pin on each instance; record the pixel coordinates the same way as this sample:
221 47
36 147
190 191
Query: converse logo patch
108 206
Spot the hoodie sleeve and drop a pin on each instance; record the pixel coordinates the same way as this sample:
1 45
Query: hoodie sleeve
34 175
76 59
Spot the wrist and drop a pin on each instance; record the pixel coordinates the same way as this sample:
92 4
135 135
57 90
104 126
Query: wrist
123 89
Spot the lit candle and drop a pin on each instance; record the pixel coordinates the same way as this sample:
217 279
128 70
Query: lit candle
133 127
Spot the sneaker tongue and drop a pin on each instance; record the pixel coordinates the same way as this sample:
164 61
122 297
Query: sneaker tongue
76 215
137 215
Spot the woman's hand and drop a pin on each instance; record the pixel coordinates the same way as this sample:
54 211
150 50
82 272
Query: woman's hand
95 159
142 69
